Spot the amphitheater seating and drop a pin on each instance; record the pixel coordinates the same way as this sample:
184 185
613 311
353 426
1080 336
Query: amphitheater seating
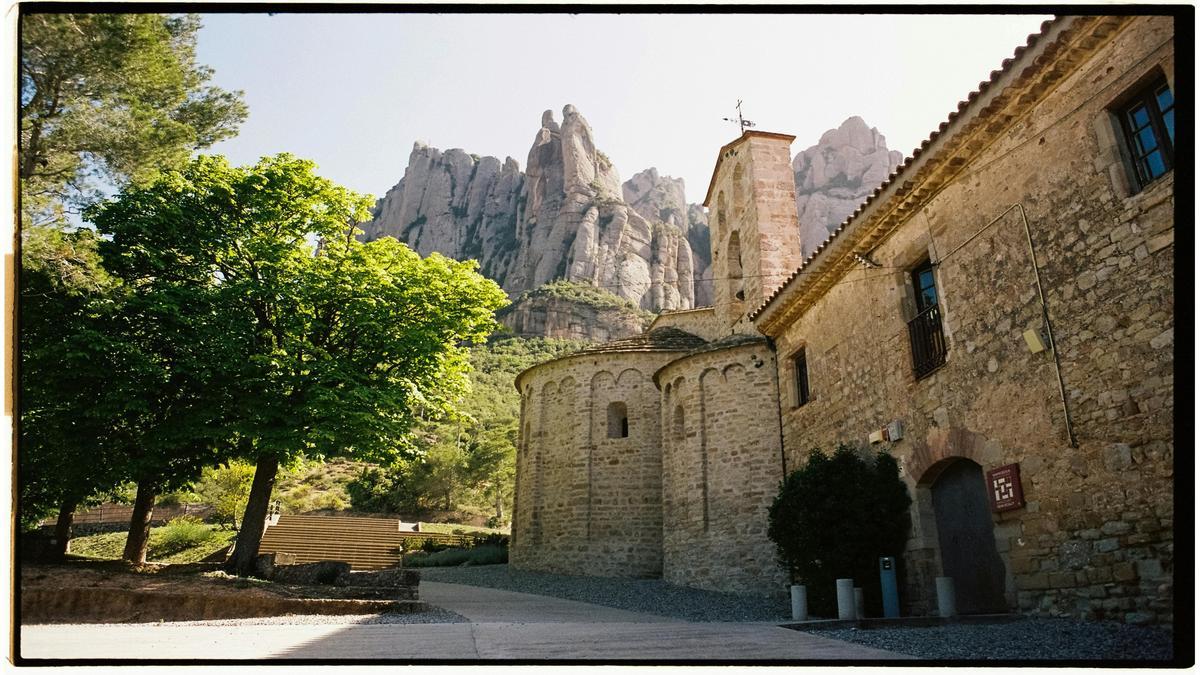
365 543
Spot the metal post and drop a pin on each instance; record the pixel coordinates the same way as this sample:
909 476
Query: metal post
799 603
845 599
860 608
945 597
887 581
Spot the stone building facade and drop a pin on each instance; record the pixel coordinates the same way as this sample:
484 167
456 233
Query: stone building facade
1004 302
682 490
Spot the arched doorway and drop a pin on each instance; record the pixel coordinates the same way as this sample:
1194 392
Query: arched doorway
968 546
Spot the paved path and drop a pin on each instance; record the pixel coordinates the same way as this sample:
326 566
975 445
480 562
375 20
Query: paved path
503 625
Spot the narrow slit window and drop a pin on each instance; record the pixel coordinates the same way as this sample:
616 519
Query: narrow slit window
618 420
800 366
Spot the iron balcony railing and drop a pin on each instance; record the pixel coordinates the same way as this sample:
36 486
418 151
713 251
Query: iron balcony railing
928 341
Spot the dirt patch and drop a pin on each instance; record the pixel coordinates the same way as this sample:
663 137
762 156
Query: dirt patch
88 592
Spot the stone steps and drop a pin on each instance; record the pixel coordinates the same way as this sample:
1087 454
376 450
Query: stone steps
365 543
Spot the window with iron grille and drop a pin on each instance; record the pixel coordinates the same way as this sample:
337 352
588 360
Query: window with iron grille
800 367
1148 122
925 329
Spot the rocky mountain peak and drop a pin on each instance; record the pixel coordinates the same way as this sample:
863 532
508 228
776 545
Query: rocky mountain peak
564 217
834 176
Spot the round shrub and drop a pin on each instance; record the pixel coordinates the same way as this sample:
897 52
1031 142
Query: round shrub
834 518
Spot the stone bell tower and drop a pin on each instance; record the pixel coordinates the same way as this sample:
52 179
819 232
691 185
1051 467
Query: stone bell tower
752 218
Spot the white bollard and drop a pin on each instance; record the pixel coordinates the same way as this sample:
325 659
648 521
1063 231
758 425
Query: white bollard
799 603
859 606
945 597
845 599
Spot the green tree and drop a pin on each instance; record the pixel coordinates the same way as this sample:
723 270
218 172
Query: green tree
226 488
64 449
335 349
835 517
477 455
110 97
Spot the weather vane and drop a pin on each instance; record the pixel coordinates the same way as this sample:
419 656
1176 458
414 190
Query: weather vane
743 123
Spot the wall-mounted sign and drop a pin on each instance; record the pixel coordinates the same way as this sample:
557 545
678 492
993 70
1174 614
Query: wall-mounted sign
1004 488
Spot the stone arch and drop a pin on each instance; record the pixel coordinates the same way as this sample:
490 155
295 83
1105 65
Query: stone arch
707 374
733 253
733 370
602 380
678 424
630 376
739 190
939 449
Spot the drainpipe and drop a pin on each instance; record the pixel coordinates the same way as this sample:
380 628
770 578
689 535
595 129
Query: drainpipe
1037 278
779 402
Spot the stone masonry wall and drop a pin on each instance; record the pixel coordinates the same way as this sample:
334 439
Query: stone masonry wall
586 503
1095 538
721 470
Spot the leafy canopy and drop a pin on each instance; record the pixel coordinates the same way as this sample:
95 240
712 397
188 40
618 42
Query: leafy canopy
65 299
324 349
467 460
111 97
835 517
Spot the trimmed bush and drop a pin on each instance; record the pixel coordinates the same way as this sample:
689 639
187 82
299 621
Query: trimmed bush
177 535
834 518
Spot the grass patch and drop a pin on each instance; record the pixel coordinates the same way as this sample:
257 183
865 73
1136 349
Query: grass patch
454 557
452 528
174 542
316 486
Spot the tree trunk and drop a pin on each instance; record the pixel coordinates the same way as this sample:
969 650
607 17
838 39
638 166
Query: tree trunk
254 519
62 529
499 507
139 524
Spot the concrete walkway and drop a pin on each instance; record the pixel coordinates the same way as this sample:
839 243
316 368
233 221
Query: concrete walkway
503 625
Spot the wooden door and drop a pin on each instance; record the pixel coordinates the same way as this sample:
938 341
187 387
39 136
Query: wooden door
968 546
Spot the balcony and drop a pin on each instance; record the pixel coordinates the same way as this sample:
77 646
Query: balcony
928 341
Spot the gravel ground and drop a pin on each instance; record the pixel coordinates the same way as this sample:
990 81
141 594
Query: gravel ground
434 615
1028 638
1022 639
652 596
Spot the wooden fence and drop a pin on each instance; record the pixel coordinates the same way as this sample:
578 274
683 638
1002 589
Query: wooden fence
119 513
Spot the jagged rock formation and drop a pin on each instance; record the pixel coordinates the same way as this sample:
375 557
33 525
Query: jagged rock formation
459 205
834 176
563 218
662 199
699 236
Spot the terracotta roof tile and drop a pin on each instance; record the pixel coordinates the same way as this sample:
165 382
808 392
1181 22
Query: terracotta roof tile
665 339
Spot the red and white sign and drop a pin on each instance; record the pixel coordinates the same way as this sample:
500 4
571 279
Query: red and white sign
1004 488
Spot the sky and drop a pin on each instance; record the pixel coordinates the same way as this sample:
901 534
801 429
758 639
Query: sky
354 91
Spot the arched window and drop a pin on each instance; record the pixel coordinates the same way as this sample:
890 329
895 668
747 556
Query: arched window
618 420
734 253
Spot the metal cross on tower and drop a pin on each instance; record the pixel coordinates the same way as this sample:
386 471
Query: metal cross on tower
744 124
